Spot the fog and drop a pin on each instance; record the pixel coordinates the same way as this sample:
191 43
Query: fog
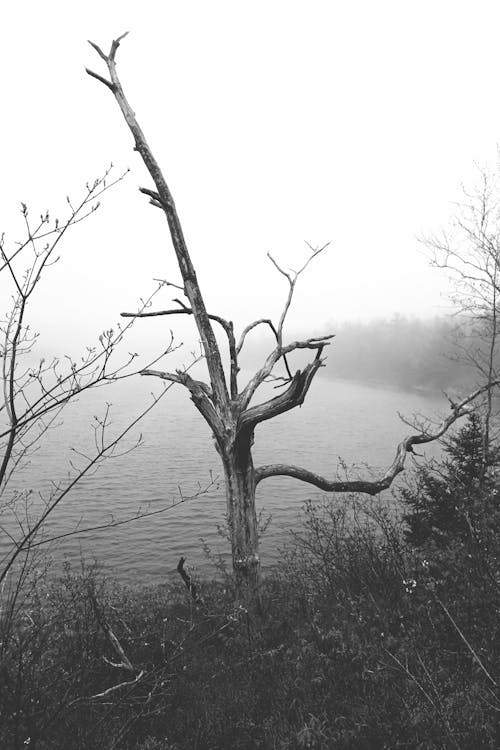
275 123
401 352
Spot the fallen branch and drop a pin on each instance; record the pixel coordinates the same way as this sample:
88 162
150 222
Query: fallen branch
124 662
109 691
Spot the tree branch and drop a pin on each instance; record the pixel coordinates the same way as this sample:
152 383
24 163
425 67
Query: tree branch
250 327
373 487
108 692
259 377
100 78
166 201
124 662
225 324
289 399
106 449
292 280
201 396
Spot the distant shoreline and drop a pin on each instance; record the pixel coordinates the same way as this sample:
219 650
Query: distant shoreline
383 385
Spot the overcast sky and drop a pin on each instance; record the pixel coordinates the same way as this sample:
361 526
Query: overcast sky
275 122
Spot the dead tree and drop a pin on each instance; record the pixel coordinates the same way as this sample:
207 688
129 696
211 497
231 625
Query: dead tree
224 405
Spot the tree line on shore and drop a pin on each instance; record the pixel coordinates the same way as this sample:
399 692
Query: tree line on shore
399 351
404 352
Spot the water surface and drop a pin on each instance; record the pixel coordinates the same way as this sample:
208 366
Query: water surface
339 422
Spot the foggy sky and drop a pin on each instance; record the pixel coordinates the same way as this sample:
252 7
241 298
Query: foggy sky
275 123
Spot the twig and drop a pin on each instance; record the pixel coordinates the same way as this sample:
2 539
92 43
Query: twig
467 643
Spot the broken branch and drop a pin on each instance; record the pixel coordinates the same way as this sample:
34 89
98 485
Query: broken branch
188 581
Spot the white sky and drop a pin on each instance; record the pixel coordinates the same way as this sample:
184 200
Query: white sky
275 122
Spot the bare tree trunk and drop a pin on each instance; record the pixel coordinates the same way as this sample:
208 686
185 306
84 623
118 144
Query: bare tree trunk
240 482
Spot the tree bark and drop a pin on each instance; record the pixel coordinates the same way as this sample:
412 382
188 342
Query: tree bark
239 474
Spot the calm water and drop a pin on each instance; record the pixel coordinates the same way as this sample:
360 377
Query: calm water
339 422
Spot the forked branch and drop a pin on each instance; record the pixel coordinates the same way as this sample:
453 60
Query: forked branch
292 280
280 351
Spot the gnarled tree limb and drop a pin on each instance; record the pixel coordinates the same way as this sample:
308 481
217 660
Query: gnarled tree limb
375 486
264 372
289 399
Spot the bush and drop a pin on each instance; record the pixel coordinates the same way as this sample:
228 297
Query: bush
447 498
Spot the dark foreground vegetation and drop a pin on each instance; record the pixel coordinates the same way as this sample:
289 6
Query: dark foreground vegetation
377 632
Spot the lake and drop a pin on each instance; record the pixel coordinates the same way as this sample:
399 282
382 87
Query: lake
339 422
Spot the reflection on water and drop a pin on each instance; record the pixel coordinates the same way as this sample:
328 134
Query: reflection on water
339 422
